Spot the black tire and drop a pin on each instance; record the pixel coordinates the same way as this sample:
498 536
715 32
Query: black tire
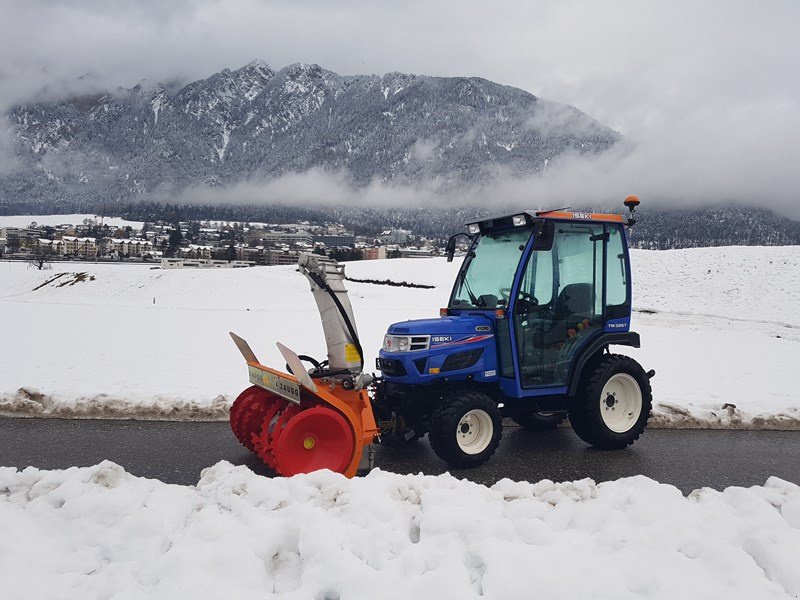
587 407
539 421
445 434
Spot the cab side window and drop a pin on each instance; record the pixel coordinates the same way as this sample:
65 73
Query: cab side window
617 301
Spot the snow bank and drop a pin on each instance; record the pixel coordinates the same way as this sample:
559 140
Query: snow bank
99 532
128 340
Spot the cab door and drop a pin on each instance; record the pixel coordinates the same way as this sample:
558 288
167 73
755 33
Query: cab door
559 303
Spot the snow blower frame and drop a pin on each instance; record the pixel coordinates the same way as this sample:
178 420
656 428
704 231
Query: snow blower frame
307 420
538 301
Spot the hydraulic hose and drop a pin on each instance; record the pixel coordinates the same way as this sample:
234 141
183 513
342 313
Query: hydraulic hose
350 329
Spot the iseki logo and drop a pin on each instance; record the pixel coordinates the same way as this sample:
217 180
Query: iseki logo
441 339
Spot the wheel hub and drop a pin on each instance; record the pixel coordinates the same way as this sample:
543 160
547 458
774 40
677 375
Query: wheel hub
620 402
475 431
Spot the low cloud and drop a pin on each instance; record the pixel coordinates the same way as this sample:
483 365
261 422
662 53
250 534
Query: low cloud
706 94
423 150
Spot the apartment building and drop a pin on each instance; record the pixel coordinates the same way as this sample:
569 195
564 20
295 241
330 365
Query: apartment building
375 253
281 257
78 246
125 247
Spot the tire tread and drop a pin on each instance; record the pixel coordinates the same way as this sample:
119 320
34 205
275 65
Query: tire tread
445 417
590 427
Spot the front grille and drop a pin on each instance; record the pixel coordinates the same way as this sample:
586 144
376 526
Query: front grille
420 342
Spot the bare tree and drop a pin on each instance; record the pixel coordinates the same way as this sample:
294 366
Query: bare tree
41 258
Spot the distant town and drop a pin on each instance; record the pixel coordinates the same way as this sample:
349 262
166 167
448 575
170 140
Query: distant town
203 243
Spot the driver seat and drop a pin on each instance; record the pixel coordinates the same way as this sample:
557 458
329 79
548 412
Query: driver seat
575 299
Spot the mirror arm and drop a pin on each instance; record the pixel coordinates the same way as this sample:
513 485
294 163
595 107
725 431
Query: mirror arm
450 248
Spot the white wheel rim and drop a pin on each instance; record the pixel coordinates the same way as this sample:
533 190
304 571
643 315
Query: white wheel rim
620 403
474 432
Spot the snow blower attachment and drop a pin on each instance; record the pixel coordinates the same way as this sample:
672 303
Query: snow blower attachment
539 299
302 421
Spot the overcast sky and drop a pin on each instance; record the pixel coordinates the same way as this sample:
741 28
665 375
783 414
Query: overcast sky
706 92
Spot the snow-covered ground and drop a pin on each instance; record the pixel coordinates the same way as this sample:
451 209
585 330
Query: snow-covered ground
71 219
720 329
99 532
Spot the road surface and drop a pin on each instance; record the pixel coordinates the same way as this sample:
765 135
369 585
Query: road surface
176 452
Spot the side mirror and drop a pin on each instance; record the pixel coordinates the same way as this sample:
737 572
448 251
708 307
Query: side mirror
450 249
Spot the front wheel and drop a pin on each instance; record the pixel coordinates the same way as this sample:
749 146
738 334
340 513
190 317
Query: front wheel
613 403
465 428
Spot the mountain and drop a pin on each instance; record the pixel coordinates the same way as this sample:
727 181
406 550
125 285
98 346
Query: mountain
255 123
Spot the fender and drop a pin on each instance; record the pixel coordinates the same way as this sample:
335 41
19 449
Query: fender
629 338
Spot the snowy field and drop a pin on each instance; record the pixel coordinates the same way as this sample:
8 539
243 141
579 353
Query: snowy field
720 326
72 219
99 532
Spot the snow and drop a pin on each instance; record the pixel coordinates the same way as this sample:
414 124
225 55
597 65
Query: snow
724 339
226 138
99 532
72 219
158 103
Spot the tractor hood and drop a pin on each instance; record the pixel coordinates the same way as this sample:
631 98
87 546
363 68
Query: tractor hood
446 330
456 347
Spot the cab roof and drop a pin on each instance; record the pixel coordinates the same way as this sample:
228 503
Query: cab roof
560 214
563 214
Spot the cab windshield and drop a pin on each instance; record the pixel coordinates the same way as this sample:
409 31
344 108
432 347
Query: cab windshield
487 275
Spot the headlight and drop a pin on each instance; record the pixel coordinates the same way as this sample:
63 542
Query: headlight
396 343
405 343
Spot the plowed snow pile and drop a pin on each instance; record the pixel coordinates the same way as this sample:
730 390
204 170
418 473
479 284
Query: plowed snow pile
720 326
99 532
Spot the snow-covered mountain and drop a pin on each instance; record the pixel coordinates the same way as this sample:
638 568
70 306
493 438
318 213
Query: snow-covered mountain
257 123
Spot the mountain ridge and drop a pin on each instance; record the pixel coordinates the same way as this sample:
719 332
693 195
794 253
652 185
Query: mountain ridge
258 123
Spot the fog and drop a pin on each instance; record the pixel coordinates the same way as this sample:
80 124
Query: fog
704 93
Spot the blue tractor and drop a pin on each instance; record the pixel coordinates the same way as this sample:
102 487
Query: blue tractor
538 301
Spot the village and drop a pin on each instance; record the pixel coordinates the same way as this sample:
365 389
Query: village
201 243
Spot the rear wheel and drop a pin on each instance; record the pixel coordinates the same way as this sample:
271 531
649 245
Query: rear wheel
613 405
466 428
539 421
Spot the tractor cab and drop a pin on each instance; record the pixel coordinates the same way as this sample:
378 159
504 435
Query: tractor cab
551 283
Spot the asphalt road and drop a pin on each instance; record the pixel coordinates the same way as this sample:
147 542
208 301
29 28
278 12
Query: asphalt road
177 452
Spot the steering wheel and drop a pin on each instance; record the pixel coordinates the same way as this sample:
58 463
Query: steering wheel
524 296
